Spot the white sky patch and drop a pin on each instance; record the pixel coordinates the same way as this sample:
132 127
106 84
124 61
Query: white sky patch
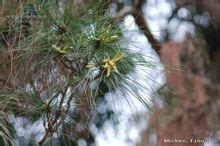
27 129
129 23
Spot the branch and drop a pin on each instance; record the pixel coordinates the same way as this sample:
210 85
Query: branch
136 12
54 124
127 10
140 21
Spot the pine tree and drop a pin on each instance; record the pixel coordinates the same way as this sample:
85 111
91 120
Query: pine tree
56 62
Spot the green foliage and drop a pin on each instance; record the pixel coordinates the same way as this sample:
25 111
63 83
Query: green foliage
56 59
6 138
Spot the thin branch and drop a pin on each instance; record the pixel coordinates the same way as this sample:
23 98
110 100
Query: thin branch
136 12
140 21
127 10
54 124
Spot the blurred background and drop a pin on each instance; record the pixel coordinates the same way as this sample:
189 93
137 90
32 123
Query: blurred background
182 40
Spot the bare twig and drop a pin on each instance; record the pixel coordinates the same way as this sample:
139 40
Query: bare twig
54 124
136 12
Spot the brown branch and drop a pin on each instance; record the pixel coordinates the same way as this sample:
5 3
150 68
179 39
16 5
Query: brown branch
54 124
140 21
136 12
127 10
